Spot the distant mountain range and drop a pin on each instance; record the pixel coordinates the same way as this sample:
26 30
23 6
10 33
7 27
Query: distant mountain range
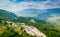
52 15
29 12
48 14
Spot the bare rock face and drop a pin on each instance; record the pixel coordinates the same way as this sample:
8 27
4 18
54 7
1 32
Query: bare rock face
32 20
31 30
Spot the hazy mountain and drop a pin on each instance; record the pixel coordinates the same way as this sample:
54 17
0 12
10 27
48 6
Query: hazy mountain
6 15
40 14
48 13
30 12
52 15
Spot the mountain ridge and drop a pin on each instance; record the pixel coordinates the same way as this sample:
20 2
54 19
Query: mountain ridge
7 15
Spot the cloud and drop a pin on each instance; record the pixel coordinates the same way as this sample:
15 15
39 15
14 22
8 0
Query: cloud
54 18
14 5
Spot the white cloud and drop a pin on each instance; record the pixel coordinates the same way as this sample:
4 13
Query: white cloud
13 6
54 18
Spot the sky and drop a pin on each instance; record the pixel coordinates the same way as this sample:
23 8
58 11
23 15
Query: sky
19 5
36 7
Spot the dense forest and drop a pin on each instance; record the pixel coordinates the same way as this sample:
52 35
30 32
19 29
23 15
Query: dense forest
5 31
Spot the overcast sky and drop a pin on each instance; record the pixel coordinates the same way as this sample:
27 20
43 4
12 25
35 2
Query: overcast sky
19 5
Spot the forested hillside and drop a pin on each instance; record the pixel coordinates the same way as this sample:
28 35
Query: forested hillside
46 27
6 15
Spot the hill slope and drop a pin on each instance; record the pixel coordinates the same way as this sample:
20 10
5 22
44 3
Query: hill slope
7 15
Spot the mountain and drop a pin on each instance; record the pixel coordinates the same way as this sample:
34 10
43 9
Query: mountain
48 13
38 13
7 15
44 26
29 12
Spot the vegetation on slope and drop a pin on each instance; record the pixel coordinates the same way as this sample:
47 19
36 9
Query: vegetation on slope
6 15
7 30
48 28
